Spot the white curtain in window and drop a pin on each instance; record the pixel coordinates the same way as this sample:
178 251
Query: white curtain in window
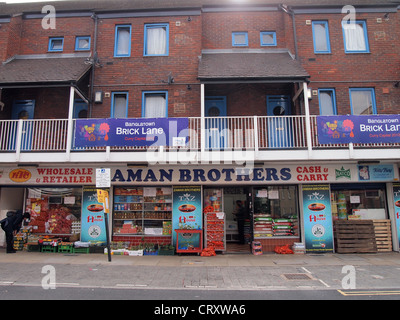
321 43
156 41
361 101
354 34
124 39
155 107
240 39
120 106
326 104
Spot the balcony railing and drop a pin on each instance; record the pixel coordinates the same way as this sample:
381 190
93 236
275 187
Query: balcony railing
218 134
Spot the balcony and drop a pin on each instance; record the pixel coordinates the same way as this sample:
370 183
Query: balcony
257 138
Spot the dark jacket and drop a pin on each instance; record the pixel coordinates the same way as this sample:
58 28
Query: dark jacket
13 223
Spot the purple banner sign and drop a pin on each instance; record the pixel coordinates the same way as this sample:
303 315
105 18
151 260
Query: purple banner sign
358 129
131 132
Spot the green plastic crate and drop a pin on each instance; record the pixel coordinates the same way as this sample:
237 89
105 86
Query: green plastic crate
81 250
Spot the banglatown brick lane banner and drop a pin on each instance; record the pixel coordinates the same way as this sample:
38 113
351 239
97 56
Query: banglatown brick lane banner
358 129
131 132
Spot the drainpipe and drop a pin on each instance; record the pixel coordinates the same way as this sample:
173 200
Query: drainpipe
95 61
290 12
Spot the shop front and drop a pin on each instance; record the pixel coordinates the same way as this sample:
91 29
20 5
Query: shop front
194 207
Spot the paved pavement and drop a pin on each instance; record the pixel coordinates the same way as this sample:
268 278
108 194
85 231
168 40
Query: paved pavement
222 272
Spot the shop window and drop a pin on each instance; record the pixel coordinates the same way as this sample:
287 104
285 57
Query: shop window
240 39
156 39
327 102
82 44
355 37
321 37
362 101
55 211
122 47
276 212
358 202
155 104
143 211
268 38
119 105
56 44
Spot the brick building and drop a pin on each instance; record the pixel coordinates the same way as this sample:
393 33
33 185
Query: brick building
251 79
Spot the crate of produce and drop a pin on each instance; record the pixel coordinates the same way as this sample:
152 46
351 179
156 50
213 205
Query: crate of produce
65 247
81 249
48 249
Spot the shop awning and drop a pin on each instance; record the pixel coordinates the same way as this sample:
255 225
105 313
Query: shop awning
250 65
42 70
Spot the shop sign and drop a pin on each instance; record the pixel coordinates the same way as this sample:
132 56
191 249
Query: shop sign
396 195
130 132
187 213
293 174
318 226
49 176
93 221
358 129
376 172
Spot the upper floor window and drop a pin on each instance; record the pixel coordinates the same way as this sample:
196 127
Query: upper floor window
355 37
268 38
82 43
155 104
156 39
240 39
362 101
327 102
56 44
321 37
122 46
119 105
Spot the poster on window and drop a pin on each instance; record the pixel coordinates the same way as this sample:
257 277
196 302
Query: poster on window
93 228
131 132
318 225
396 196
358 129
187 212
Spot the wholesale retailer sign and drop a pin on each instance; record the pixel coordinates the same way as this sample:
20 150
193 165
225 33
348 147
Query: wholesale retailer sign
358 129
131 132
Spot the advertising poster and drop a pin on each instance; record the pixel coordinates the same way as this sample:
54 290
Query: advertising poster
318 225
131 132
358 129
93 222
187 213
396 196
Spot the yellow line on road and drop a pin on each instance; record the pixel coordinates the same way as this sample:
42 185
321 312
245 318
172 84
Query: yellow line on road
370 293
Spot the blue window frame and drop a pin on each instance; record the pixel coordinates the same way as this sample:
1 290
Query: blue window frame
362 101
82 43
355 36
268 38
156 39
327 102
122 46
154 104
321 39
119 105
56 44
240 39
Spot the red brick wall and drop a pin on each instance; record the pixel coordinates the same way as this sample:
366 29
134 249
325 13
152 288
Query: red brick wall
35 39
378 69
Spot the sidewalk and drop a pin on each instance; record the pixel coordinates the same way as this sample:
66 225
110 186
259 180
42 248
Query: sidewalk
228 272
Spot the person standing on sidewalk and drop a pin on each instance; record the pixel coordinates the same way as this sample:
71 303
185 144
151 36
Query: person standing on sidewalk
11 226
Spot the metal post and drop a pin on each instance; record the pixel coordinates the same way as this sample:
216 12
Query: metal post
308 119
70 122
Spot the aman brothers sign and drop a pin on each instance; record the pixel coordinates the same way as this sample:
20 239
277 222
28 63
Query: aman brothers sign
295 174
